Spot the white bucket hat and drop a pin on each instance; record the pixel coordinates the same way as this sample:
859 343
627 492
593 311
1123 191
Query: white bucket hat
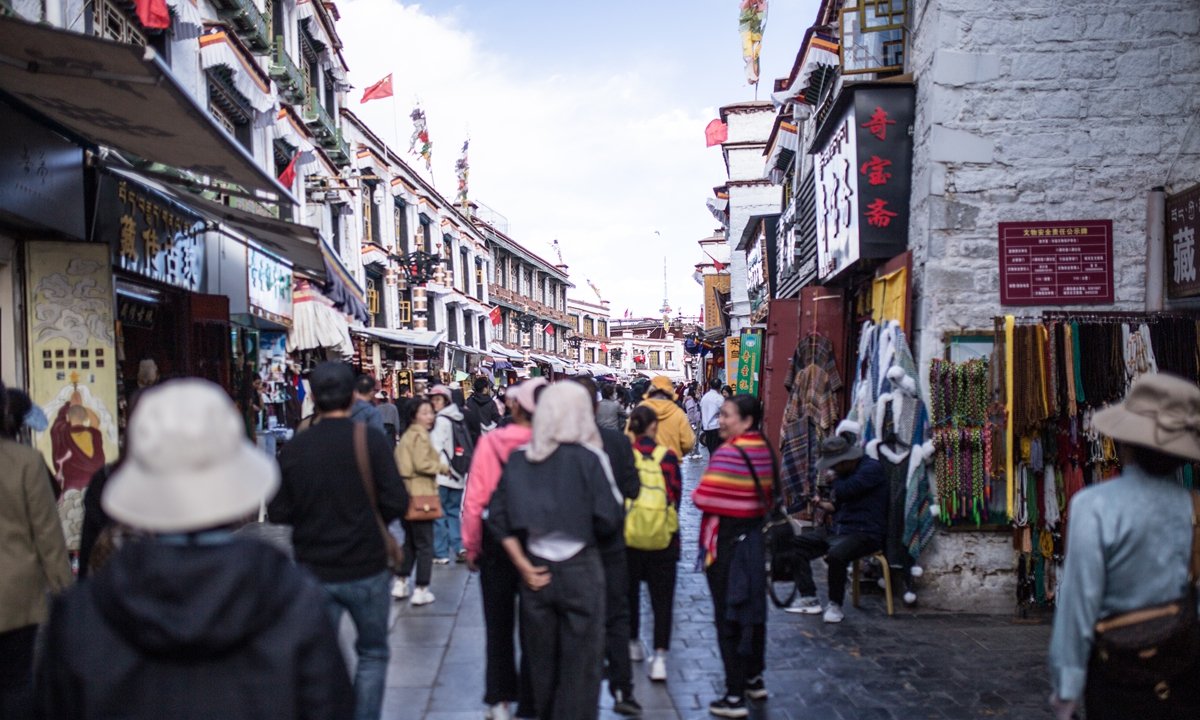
1161 412
190 466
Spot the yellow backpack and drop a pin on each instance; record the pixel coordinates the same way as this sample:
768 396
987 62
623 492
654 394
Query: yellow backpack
651 518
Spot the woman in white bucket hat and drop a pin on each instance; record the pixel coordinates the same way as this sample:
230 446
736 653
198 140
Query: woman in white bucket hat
189 620
1129 545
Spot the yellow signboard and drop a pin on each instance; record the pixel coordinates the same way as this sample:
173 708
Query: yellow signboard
73 366
733 347
712 306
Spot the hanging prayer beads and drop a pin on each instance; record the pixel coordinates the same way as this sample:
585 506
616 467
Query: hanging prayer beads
960 397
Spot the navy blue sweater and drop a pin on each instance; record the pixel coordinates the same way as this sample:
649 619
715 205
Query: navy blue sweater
860 501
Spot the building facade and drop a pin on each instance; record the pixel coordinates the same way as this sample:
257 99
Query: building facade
589 323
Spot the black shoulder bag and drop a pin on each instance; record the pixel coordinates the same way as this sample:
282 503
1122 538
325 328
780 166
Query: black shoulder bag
1152 646
777 534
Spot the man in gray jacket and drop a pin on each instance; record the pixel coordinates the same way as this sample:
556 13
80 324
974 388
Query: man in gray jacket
608 412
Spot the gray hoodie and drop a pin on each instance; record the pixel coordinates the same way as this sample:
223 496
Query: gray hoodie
442 437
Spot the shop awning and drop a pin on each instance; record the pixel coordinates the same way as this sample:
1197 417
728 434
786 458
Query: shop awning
412 338
782 150
675 375
597 369
123 97
316 323
501 351
342 288
554 362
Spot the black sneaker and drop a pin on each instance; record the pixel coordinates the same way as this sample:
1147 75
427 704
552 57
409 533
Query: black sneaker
625 704
756 689
725 707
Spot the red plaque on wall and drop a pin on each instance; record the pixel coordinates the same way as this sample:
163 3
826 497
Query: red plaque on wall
1063 262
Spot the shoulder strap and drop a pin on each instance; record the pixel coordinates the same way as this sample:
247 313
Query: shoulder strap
1194 567
754 475
363 458
660 453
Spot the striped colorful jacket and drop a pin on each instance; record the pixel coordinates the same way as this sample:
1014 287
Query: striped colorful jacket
727 488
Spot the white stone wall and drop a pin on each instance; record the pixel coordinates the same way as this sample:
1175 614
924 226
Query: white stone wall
1053 111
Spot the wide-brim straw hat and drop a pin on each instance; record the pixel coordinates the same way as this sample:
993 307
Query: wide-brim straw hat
189 466
1161 412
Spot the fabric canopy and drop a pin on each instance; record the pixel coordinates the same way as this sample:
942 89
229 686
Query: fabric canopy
123 97
501 351
217 49
413 338
316 323
782 151
342 288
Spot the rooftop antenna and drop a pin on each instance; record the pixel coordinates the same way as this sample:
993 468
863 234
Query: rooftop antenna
666 307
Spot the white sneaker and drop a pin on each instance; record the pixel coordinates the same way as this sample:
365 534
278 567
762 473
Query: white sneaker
422 596
499 711
441 561
833 613
636 652
804 606
400 588
658 666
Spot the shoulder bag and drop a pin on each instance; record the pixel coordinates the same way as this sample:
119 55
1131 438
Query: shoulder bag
1152 646
777 535
395 553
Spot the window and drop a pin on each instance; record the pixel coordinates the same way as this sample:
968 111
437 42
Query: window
451 324
400 220
500 275
431 313
589 355
654 363
483 323
588 326
330 96
575 322
370 213
427 232
335 225
603 328
668 354
405 312
479 279
375 305
464 264
229 107
468 331
108 21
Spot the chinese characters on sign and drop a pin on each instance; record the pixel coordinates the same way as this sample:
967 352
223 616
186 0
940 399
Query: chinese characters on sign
863 169
749 355
1183 217
732 348
151 236
1056 263
269 284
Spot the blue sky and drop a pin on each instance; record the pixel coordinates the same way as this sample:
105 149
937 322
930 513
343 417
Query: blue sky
586 119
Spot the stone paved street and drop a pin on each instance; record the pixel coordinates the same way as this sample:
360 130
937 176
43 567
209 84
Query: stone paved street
870 666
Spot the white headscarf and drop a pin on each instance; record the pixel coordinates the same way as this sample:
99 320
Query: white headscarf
564 417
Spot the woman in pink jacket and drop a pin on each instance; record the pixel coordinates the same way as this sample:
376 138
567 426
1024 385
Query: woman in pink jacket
498 578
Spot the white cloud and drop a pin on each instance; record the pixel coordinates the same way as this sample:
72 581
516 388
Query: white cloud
598 159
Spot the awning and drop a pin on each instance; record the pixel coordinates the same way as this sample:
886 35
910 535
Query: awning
121 96
719 207
411 338
669 374
342 288
556 363
316 323
501 351
822 52
782 151
217 49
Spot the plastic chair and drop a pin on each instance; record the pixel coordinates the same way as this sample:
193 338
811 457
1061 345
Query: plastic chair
887 581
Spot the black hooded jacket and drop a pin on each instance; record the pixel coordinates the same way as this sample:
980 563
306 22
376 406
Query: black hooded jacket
230 630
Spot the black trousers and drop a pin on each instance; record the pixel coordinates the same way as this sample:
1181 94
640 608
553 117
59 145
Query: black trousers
16 672
500 584
738 668
711 440
657 569
839 551
1109 701
562 626
616 623
418 549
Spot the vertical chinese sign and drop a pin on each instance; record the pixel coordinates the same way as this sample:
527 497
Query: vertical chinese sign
733 346
863 177
72 366
749 360
1179 257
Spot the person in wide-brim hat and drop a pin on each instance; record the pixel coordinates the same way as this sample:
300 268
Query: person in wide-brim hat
1129 540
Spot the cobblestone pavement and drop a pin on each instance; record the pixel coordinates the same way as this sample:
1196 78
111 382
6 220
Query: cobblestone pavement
870 666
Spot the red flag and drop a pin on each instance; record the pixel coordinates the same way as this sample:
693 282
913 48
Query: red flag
717 264
549 329
288 176
378 91
153 13
716 133
495 316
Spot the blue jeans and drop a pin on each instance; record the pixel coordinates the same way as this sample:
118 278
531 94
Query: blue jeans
368 601
447 532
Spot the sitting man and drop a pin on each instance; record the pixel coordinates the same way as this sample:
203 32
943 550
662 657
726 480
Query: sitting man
859 504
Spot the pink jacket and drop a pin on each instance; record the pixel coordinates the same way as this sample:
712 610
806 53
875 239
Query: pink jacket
486 466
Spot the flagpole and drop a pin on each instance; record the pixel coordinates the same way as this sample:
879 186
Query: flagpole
396 124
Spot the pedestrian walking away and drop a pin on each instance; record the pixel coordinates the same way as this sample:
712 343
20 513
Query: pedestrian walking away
483 405
1132 547
364 410
33 558
734 496
652 538
390 415
859 509
189 620
556 503
674 430
451 438
691 407
420 464
710 408
618 652
507 682
325 496
609 414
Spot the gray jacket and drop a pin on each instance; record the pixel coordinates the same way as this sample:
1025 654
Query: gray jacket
609 415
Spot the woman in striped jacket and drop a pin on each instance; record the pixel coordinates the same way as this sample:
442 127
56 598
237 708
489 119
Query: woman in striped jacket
734 495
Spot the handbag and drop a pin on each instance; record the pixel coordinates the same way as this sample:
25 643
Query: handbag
395 553
422 508
1152 646
778 535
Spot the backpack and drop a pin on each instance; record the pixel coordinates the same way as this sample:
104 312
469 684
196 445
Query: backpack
651 518
464 448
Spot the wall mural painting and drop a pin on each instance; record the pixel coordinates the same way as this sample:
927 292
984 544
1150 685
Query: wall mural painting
72 366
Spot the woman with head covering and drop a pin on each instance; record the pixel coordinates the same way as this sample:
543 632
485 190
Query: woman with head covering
1129 546
735 494
556 502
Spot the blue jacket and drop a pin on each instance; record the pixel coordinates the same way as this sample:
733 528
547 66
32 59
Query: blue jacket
860 501
365 412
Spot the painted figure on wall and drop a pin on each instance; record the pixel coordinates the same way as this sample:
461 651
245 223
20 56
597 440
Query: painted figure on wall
78 445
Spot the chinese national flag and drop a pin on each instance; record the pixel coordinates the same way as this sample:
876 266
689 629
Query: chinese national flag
495 316
153 14
550 329
288 176
378 91
716 133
